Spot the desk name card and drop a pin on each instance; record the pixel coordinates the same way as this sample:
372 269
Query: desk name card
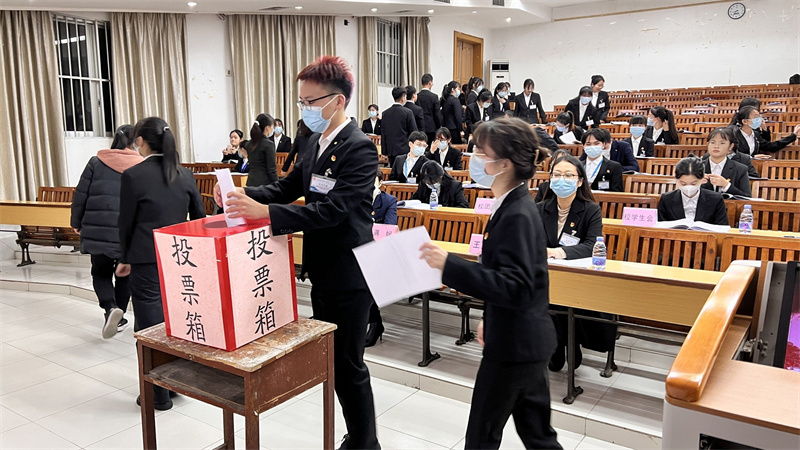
639 217
484 205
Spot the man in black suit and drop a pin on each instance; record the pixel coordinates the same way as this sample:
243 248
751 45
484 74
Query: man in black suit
528 105
336 218
411 103
640 144
619 151
431 108
283 143
443 153
398 122
602 173
406 168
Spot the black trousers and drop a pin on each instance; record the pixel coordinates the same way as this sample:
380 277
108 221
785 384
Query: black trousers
456 136
597 336
374 313
431 136
147 307
391 160
112 291
349 310
504 389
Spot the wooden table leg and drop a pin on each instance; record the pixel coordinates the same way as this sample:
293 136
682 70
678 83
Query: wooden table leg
146 399
227 428
327 399
251 432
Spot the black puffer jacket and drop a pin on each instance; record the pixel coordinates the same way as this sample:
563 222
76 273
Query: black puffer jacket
95 207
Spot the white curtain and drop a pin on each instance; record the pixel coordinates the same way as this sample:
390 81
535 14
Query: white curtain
367 64
149 53
32 147
268 52
416 50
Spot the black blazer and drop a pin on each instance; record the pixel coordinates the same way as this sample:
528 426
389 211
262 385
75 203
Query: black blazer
710 207
762 146
472 97
585 221
396 174
147 202
474 116
512 279
397 124
451 193
744 159
663 138
284 144
240 167
231 158
545 139
299 143
576 130
429 102
621 152
500 109
610 171
733 171
603 105
263 165
591 113
452 159
419 115
646 147
333 224
528 114
366 126
451 114
384 209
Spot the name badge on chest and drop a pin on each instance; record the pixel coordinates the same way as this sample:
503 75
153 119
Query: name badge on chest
602 105
589 122
321 184
533 106
604 185
567 240
411 180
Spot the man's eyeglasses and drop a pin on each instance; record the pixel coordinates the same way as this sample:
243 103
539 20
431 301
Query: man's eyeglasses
309 103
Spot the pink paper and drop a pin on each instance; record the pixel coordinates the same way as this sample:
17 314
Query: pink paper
189 275
476 244
639 217
381 230
484 205
261 283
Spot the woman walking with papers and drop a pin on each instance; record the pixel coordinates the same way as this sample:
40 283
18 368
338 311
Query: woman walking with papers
517 333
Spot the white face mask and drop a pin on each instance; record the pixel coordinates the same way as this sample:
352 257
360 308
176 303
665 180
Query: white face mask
689 190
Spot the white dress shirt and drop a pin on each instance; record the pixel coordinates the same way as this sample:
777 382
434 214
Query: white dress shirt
656 133
751 140
409 164
374 122
582 111
592 168
443 155
527 100
635 145
716 169
595 96
690 205
325 142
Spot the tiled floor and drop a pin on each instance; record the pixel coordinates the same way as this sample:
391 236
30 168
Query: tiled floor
62 386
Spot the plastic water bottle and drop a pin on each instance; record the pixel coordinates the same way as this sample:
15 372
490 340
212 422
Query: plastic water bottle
434 201
599 254
746 220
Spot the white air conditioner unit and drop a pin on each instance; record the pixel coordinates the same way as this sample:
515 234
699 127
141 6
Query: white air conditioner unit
498 72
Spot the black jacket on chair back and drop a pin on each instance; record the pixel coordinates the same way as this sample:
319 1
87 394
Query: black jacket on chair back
512 279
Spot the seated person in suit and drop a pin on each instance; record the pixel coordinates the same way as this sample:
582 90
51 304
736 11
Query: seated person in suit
372 124
500 101
572 222
283 143
602 173
229 154
243 165
756 103
724 175
406 168
689 201
749 141
443 153
565 124
545 140
479 111
641 145
661 126
583 112
451 192
384 206
618 151
544 186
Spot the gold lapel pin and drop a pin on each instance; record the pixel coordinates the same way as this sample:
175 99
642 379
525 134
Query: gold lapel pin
572 224
485 236
333 158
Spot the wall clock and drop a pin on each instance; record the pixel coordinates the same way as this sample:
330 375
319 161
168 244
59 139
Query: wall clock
736 11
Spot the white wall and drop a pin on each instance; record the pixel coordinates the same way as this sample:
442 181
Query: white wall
347 48
681 47
79 152
211 108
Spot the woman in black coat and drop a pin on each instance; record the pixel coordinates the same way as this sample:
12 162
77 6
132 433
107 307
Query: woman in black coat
661 126
95 215
565 124
748 120
263 162
451 110
511 278
572 223
689 201
732 178
300 141
583 112
450 191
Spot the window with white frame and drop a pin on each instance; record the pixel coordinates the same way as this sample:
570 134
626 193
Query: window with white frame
390 52
84 74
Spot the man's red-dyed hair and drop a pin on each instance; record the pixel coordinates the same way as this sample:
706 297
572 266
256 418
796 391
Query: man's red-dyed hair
331 71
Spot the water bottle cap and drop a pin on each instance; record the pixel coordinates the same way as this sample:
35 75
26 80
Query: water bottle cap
600 239
747 207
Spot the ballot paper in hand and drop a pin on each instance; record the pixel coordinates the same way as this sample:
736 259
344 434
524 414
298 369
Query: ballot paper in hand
226 186
392 267
568 138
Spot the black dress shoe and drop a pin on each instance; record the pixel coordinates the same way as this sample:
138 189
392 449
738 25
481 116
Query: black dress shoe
375 332
158 406
557 360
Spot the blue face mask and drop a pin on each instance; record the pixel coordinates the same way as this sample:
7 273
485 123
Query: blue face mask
278 130
373 114
637 131
477 171
561 129
756 122
312 117
271 133
585 100
650 122
479 88
503 94
443 145
593 151
564 187
418 151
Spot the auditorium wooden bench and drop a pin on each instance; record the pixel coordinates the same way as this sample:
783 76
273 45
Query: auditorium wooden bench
781 190
777 216
649 184
376 139
408 218
401 191
453 227
196 167
386 171
47 236
681 151
460 175
676 248
465 157
616 240
691 139
662 166
575 149
782 170
280 158
612 204
757 248
205 184
538 178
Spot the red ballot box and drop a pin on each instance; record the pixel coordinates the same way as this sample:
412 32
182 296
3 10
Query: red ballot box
225 287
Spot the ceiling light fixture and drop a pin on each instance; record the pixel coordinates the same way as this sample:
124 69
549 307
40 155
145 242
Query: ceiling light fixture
374 9
430 11
298 7
191 4
474 12
508 19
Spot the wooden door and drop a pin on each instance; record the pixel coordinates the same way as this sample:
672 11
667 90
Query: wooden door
464 56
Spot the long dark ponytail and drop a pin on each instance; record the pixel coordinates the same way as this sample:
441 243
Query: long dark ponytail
156 132
666 115
123 138
257 130
446 91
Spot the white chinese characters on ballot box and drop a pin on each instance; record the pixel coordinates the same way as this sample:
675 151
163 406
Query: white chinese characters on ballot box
225 287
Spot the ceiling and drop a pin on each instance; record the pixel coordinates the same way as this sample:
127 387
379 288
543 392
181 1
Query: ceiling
476 12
